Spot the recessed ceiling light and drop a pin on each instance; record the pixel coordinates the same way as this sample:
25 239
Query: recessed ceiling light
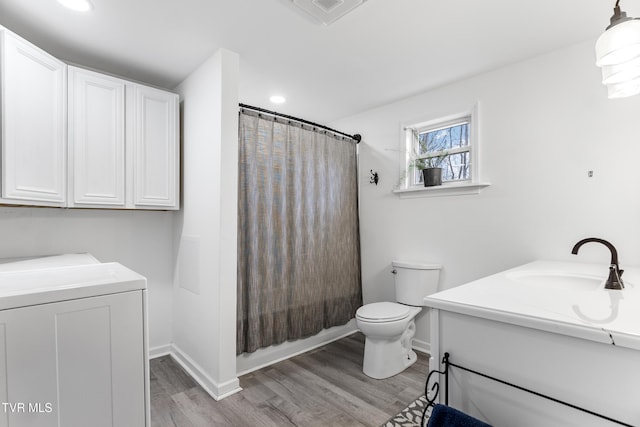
79 5
277 99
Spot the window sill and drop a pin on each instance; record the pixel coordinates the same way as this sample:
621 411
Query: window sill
460 189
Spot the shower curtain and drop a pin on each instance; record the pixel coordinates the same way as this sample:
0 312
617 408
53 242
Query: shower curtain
298 232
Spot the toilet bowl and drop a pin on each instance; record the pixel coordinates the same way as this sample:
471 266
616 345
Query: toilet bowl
389 327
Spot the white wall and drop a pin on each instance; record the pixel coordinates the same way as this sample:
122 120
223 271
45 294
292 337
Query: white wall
140 240
206 227
543 124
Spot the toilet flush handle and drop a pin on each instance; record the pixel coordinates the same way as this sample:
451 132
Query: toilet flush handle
394 271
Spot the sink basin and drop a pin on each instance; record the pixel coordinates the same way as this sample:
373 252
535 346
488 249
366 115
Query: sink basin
558 280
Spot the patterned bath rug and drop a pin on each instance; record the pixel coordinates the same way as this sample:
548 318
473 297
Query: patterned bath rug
410 416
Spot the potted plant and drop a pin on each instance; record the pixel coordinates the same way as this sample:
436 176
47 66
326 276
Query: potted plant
431 168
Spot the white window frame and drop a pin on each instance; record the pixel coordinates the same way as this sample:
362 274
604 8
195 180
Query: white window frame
473 185
412 153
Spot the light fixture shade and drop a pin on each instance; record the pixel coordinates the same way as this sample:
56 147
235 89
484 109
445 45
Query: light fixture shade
620 73
619 43
622 90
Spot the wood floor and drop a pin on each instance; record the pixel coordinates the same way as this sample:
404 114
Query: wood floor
324 387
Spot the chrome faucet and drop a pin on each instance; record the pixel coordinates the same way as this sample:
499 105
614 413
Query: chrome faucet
614 281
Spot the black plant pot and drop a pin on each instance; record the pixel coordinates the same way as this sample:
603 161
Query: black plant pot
432 176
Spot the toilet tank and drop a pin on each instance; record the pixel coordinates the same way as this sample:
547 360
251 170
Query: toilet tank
414 281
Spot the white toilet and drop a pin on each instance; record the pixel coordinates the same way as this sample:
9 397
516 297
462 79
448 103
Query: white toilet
389 326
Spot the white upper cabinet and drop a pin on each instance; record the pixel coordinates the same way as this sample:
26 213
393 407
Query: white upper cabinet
123 143
156 148
96 139
79 138
34 123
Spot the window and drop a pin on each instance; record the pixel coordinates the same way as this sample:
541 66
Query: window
449 142
445 146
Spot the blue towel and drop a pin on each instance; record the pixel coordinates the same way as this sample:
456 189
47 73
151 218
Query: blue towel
445 416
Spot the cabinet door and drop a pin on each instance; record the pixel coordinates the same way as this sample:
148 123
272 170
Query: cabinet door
96 139
76 363
156 148
33 123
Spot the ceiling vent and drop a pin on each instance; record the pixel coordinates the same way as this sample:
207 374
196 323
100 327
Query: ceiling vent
327 11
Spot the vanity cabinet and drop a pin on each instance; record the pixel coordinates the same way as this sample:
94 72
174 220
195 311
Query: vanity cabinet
34 123
550 327
123 143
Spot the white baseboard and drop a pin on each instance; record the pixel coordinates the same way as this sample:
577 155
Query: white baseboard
264 357
216 390
159 351
249 363
421 346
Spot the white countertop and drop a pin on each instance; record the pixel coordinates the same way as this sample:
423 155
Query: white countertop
60 278
560 297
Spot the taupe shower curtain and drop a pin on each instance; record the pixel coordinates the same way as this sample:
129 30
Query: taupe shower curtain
298 237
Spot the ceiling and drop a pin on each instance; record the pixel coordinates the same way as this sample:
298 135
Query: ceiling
382 51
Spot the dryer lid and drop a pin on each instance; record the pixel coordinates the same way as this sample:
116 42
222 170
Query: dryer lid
383 312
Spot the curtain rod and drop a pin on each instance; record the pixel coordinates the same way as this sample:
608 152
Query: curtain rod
357 137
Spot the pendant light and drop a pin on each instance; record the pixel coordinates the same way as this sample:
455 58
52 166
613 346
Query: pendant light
618 53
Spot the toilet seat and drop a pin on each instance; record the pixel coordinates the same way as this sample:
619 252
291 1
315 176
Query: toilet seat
379 312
